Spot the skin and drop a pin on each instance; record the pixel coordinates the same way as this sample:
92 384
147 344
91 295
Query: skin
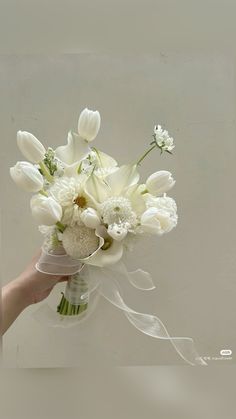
30 287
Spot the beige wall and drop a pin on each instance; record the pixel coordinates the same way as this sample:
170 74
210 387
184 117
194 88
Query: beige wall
193 95
173 61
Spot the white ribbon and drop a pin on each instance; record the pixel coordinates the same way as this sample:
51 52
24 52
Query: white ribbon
106 281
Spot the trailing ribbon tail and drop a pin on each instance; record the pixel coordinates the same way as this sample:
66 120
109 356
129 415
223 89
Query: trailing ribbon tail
146 323
107 281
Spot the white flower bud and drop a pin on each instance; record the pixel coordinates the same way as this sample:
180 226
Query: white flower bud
31 148
159 182
27 176
45 210
90 218
89 124
117 232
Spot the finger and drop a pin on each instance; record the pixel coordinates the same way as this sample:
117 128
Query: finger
64 279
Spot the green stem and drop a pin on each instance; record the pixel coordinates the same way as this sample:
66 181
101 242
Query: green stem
43 192
145 154
61 227
98 155
45 172
66 309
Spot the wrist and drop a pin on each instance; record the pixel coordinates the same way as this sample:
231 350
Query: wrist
17 287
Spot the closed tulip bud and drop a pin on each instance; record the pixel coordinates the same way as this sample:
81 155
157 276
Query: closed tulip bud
31 148
45 210
89 124
90 218
159 182
27 176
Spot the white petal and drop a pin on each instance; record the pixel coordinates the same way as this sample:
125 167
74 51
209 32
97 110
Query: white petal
134 193
105 160
96 189
75 150
122 178
107 257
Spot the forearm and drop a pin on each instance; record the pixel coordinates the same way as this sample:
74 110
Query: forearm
14 301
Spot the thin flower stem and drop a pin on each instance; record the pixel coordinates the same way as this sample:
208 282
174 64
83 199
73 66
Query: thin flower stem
98 155
45 172
145 154
43 192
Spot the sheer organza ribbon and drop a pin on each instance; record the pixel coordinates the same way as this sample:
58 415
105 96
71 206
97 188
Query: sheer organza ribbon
107 282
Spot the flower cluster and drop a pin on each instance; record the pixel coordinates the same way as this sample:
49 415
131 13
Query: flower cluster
88 204
162 139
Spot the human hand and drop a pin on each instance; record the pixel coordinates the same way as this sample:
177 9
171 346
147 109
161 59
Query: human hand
28 288
35 285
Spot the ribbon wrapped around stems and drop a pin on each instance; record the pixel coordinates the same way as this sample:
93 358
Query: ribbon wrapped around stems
106 282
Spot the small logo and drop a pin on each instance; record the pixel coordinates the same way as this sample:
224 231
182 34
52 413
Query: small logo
224 355
226 352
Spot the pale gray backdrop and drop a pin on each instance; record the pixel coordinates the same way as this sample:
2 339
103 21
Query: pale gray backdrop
193 95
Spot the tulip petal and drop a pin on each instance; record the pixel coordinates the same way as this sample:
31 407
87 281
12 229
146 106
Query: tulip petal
30 146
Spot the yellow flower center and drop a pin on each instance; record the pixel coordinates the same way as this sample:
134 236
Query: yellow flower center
80 201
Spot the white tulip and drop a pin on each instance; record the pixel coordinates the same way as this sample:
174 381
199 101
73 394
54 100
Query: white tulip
159 182
89 124
27 176
45 210
31 148
90 218
156 221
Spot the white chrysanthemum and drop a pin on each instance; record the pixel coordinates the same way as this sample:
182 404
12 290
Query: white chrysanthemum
66 189
118 210
69 192
79 241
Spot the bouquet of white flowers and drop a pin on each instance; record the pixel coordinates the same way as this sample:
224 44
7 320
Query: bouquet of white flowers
91 210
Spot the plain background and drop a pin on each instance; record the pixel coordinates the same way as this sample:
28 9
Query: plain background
168 61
